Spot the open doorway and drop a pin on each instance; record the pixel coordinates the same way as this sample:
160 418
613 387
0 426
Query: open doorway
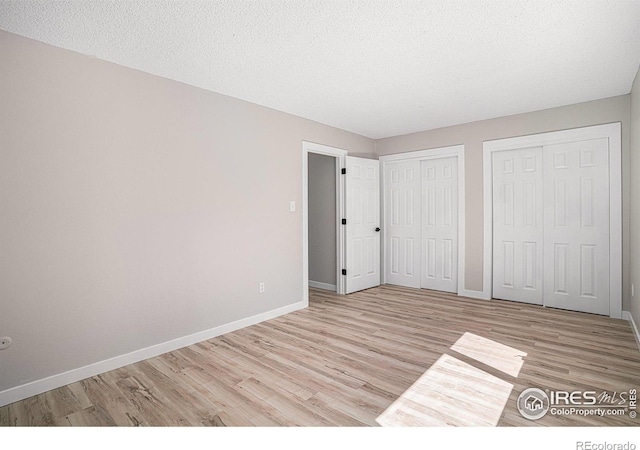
322 210
323 264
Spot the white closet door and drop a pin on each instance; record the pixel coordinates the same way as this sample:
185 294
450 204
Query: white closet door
402 223
576 227
440 224
518 225
363 224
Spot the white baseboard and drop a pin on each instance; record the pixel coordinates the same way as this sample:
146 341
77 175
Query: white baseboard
55 381
634 328
325 286
473 294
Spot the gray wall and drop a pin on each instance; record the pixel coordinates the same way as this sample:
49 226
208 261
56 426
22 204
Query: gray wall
135 209
472 135
322 218
634 238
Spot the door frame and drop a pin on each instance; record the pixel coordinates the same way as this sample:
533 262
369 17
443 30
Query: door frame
422 155
340 158
611 131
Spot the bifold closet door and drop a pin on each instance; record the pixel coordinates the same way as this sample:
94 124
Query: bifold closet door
439 236
518 225
402 223
551 225
576 227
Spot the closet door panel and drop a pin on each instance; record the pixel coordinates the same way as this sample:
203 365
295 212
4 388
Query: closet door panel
576 226
518 225
439 248
402 223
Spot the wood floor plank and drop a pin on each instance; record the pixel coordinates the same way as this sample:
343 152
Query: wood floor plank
111 402
438 358
89 417
230 399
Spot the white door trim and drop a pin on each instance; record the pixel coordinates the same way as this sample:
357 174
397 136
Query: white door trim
340 156
441 152
611 131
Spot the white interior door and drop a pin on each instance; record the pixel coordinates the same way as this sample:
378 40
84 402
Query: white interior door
402 223
551 225
576 226
363 224
518 225
439 268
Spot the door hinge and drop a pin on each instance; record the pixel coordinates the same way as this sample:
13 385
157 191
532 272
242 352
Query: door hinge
344 271
344 221
343 171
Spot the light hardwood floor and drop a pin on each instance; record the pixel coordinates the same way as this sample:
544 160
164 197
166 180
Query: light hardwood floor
345 360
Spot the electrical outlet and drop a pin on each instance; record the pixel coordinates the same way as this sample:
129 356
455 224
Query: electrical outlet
5 342
292 206
261 288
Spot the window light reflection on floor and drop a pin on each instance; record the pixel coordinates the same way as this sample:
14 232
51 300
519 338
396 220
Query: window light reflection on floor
499 356
454 393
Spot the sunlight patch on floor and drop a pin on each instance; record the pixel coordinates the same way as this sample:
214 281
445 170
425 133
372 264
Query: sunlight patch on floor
499 356
450 393
454 393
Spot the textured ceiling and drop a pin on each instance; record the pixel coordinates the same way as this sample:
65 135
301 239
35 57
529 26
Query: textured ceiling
376 68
